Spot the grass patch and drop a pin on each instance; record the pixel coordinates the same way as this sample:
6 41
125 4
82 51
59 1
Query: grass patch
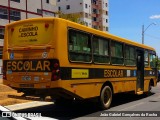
5 91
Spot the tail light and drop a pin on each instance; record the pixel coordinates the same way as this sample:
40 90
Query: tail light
12 29
46 25
55 72
4 74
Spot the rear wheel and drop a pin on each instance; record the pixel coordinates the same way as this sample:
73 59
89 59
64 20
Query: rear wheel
149 88
148 93
106 97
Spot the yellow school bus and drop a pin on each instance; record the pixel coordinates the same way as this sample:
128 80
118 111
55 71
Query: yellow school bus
65 60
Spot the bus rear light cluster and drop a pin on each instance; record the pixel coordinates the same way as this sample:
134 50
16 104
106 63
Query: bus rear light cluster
55 72
46 25
12 29
4 75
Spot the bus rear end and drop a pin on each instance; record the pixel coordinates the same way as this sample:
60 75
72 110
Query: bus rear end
29 56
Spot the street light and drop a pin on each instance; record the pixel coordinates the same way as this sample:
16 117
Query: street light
143 30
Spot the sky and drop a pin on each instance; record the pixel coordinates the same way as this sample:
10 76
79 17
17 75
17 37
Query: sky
126 18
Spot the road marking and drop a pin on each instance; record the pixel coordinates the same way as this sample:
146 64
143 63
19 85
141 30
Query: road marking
131 106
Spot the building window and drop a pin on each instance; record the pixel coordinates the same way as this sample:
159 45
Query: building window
3 13
1 33
106 20
106 12
16 1
47 1
94 10
106 28
86 15
86 23
86 6
58 0
15 15
79 46
94 18
39 11
94 1
68 7
59 8
106 4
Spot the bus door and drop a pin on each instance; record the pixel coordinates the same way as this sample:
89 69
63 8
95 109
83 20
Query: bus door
140 71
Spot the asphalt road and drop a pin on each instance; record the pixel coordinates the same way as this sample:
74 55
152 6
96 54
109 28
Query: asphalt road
122 105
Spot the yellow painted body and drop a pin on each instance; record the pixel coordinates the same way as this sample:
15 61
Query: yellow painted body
56 46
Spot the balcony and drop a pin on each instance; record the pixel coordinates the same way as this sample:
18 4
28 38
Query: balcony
94 15
95 23
94 6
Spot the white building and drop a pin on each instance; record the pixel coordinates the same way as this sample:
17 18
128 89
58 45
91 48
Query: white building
94 12
13 10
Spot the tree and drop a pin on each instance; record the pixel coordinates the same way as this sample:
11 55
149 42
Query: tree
72 17
158 64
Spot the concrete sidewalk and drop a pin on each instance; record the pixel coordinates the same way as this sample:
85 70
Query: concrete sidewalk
27 105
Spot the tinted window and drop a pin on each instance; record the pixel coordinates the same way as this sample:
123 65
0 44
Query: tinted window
152 61
116 53
130 55
146 58
100 50
3 13
79 46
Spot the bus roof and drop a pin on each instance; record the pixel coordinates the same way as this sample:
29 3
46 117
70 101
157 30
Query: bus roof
86 29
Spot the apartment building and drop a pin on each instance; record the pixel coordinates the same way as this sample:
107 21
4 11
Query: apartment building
94 13
13 10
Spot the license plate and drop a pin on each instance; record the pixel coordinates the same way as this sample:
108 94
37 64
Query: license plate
26 85
26 78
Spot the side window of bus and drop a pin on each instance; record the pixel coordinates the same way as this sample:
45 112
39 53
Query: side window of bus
146 58
152 61
100 50
79 46
130 53
117 53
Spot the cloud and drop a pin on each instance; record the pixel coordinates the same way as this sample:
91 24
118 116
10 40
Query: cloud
155 17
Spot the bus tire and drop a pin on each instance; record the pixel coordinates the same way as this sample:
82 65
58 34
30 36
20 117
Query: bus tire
149 89
148 93
106 97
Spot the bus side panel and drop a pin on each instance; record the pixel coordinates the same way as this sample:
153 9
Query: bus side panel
62 44
91 88
124 86
146 84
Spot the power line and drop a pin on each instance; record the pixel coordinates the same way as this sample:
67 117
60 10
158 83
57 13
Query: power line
155 37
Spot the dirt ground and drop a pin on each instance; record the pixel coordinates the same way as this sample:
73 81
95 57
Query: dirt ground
5 91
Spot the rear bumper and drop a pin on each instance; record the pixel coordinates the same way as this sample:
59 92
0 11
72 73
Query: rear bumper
53 89
18 85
